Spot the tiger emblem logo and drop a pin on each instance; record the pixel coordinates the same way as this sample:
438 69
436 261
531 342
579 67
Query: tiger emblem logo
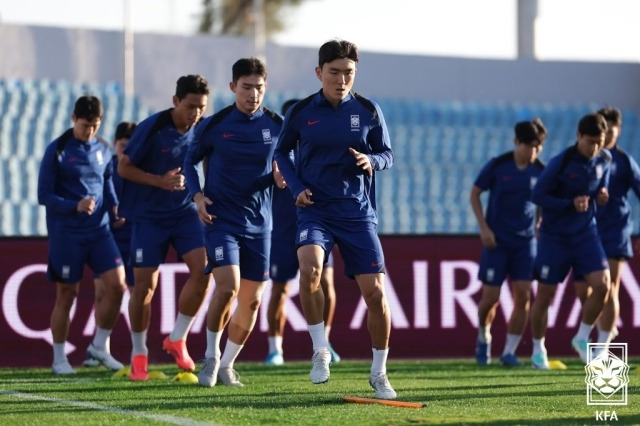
607 374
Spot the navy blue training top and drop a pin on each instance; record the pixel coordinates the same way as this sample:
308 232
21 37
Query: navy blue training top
340 189
568 175
156 147
238 148
615 217
510 213
79 170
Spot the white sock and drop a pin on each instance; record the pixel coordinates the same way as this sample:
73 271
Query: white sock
604 336
538 346
484 334
379 364
511 343
583 331
231 352
327 330
58 353
100 339
139 343
213 344
182 327
275 344
317 336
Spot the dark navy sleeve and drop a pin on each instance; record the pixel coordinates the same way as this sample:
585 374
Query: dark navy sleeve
196 152
542 191
109 192
485 179
381 156
286 143
47 179
634 176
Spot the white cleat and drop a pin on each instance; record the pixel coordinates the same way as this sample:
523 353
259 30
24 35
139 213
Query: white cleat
320 366
229 377
62 369
208 375
382 387
105 358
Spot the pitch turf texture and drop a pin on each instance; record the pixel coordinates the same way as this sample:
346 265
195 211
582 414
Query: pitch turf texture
454 391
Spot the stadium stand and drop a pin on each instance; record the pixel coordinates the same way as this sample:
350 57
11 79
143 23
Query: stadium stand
439 148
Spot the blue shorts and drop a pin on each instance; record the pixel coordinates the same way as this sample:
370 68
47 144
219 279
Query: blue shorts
150 239
557 255
618 246
516 262
358 242
124 247
69 252
250 252
284 261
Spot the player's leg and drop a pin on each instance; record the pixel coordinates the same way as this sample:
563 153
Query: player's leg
283 268
364 260
224 263
486 313
328 288
591 262
65 296
188 240
539 317
276 319
492 273
521 291
67 254
107 313
149 245
254 264
611 311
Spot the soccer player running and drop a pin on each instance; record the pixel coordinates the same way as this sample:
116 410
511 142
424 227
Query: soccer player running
568 190
341 139
120 228
75 186
508 235
614 223
236 145
283 269
156 200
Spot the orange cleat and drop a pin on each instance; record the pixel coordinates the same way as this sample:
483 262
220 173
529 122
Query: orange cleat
139 372
179 351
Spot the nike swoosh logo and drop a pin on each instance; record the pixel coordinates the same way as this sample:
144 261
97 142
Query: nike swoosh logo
165 150
311 123
374 264
227 135
71 160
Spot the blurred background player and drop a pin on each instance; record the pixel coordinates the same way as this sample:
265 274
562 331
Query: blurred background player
75 186
120 227
508 235
284 267
340 139
156 200
235 206
614 223
567 191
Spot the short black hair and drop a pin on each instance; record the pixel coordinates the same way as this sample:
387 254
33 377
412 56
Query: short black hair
125 130
88 107
531 132
288 104
192 83
612 115
337 49
593 124
248 66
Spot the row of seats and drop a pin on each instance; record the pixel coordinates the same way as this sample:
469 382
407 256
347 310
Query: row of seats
439 149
